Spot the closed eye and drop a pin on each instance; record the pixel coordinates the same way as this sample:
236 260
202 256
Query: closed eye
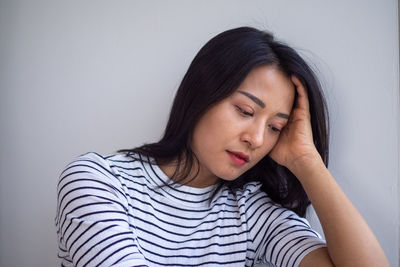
274 128
244 112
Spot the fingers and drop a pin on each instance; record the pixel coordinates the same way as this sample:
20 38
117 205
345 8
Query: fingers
302 96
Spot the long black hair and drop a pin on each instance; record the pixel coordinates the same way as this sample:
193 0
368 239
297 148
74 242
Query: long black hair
215 73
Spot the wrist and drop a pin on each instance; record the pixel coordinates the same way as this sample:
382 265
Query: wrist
305 165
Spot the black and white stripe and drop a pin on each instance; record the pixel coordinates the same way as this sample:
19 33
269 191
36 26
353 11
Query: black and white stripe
115 211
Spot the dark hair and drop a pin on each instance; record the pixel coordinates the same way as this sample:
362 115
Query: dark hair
215 73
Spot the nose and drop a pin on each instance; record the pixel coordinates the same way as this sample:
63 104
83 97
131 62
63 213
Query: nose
254 135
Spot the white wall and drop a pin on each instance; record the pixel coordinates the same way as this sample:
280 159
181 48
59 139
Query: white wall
78 76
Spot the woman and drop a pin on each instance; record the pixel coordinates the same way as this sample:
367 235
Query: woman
244 152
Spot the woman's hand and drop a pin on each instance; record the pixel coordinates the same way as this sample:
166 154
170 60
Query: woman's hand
295 146
349 239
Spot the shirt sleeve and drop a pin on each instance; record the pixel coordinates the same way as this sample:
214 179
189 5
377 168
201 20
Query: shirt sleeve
280 237
92 216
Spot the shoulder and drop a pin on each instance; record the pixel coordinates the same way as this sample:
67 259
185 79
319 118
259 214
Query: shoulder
278 234
252 197
93 170
266 216
261 208
101 164
92 175
257 205
90 162
89 159
248 190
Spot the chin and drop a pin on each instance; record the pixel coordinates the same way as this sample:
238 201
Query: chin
229 179
229 176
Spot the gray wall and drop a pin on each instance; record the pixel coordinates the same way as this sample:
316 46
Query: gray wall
78 76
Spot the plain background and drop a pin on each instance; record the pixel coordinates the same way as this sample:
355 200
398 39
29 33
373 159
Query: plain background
78 76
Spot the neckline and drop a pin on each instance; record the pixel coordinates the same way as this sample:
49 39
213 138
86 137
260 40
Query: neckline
183 194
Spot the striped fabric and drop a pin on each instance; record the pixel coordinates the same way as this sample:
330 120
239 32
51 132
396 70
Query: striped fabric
115 211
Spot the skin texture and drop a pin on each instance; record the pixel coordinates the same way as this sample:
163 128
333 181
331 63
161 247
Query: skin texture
239 124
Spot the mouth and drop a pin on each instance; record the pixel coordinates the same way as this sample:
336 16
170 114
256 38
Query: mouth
238 158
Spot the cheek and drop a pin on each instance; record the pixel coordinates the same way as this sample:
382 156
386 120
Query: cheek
206 135
218 128
271 141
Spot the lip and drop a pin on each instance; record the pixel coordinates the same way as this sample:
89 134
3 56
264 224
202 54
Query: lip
238 158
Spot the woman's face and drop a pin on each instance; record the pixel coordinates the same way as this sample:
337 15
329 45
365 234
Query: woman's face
236 133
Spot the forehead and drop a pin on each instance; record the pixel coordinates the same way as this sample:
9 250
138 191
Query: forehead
270 85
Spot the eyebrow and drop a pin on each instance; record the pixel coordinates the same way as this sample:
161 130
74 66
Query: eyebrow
254 98
262 104
282 115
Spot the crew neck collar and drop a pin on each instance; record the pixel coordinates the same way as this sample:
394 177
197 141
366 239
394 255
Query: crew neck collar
183 194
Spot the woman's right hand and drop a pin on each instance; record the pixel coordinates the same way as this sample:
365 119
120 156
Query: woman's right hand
295 147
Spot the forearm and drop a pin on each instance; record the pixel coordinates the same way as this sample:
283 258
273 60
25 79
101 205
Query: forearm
350 241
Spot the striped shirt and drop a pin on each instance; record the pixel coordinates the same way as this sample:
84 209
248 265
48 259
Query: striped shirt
116 211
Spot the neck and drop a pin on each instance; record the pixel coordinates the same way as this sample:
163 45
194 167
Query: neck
196 178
